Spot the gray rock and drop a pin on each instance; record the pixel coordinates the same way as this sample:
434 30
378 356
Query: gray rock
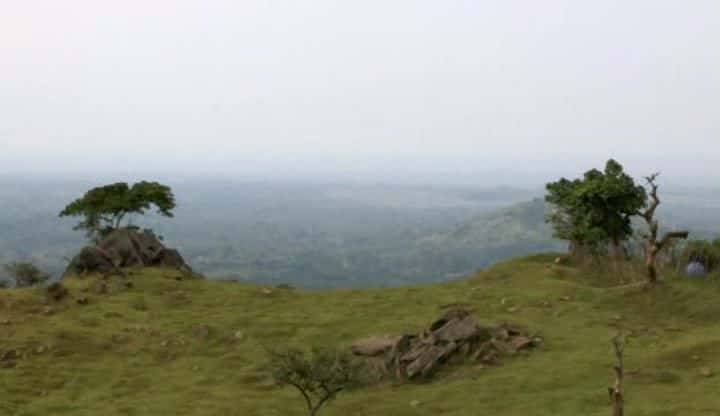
126 248
374 346
455 334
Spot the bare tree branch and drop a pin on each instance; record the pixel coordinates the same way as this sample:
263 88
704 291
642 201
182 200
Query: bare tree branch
672 236
308 400
652 245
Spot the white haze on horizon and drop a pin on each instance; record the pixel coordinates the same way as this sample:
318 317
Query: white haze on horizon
489 92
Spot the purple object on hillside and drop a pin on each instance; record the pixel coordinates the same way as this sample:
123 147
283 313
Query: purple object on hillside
695 269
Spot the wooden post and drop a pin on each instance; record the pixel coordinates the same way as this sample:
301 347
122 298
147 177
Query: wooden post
616 392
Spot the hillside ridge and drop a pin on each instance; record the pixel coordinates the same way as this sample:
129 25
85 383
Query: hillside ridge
136 349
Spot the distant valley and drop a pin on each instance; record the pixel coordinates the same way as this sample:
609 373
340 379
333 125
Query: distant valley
318 236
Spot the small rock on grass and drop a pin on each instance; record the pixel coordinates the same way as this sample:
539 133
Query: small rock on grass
706 372
201 332
415 403
9 355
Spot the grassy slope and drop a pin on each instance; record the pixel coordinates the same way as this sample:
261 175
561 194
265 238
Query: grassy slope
133 352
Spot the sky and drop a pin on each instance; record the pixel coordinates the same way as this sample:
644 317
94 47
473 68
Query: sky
506 91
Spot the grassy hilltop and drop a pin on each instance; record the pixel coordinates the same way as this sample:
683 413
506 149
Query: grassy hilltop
137 351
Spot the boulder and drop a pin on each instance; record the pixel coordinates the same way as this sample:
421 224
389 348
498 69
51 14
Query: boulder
457 330
89 260
169 257
374 346
455 334
126 248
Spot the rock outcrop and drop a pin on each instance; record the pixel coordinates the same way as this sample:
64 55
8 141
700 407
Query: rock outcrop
126 248
455 335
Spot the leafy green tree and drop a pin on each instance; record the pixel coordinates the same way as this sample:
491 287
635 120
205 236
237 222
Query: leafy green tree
319 376
25 274
567 217
104 208
597 209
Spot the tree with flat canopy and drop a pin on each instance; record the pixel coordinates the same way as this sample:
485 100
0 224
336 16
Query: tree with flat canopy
104 208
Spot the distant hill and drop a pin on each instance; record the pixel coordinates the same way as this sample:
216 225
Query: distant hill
485 239
521 222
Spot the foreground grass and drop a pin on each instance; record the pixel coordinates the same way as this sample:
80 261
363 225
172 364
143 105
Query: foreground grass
134 351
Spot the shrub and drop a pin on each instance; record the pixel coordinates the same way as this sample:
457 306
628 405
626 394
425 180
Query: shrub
319 376
26 274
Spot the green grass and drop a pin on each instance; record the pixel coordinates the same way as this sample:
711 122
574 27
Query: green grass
133 351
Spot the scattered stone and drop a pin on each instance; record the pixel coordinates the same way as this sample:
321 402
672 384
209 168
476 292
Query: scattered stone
82 301
101 288
706 372
239 335
513 309
695 358
266 291
9 355
415 403
454 336
201 332
285 286
179 297
48 310
41 349
56 292
120 338
564 298
5 322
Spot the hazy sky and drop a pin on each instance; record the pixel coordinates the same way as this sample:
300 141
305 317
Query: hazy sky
392 88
